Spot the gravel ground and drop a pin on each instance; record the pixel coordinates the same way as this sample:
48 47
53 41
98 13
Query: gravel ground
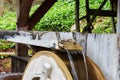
5 65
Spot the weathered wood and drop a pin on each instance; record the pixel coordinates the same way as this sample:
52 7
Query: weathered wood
22 23
107 13
19 63
24 9
103 50
43 39
118 17
21 49
11 76
39 70
77 16
43 61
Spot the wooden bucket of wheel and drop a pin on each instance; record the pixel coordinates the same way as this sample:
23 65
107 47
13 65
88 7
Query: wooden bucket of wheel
11 76
48 65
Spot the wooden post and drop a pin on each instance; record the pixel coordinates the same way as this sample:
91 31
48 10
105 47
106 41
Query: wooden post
24 7
87 11
112 18
21 49
118 17
77 16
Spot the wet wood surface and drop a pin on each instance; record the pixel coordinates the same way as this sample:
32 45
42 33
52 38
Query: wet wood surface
35 64
103 50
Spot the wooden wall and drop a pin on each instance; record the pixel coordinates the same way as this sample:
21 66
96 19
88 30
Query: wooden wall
104 51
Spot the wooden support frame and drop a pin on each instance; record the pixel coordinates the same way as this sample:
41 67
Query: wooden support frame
77 16
107 13
26 22
23 15
89 22
112 18
118 15
22 23
39 13
99 12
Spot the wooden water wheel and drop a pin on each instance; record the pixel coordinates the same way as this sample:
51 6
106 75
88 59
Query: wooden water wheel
49 65
46 65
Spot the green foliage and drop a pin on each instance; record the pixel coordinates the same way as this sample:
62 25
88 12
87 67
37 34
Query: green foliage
102 25
8 21
94 4
6 45
59 18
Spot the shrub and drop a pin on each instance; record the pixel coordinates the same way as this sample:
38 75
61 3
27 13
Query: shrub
6 45
8 21
59 18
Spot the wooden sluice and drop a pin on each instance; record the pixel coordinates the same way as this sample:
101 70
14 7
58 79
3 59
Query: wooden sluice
103 49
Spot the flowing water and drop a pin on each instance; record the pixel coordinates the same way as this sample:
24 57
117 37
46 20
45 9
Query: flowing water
74 73
85 63
75 77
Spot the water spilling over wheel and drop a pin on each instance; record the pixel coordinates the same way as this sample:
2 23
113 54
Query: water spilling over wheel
47 65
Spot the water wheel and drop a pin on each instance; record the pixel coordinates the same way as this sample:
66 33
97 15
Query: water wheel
11 76
49 65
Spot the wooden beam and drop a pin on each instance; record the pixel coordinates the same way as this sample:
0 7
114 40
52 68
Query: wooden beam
77 16
24 7
23 15
107 13
112 18
40 12
118 17
89 28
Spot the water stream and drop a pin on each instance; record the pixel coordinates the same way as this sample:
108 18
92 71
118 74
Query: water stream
85 63
75 76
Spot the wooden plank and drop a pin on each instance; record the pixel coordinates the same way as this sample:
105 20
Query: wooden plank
77 16
40 12
107 13
7 53
11 76
103 50
118 17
